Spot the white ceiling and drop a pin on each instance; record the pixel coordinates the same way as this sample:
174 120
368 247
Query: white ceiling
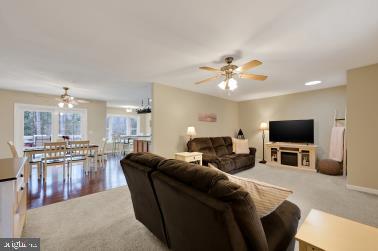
110 50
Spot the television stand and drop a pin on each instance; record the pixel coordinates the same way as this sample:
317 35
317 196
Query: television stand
299 156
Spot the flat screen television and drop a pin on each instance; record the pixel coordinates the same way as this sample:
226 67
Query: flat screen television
293 131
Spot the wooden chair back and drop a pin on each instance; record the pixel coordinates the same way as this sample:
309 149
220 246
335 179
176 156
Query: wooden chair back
79 148
55 151
13 149
40 140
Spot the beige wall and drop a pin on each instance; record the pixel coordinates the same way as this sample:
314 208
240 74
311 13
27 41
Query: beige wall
318 105
173 110
362 134
96 113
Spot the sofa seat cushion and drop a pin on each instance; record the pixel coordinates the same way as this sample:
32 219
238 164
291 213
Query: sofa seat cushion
243 160
281 225
227 163
239 160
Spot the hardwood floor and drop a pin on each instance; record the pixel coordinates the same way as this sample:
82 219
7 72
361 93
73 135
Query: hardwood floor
55 189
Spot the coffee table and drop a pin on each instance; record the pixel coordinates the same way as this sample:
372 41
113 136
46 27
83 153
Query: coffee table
323 231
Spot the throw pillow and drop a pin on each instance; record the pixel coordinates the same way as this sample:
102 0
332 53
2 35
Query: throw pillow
240 146
266 197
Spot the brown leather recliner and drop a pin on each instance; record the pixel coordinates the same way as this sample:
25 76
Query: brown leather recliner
198 208
218 152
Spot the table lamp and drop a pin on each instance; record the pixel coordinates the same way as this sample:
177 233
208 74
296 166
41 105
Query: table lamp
263 128
191 131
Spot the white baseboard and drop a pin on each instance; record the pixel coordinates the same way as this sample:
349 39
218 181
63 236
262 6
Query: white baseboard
363 189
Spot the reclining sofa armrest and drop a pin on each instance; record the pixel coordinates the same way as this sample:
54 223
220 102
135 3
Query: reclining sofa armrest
252 150
207 158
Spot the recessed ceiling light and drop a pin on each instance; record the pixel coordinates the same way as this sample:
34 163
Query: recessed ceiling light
316 82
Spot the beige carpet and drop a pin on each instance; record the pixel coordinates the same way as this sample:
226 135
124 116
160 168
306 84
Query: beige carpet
105 221
320 191
101 221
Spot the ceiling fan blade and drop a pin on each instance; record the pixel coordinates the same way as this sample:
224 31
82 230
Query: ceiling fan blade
82 101
249 65
252 76
206 80
207 68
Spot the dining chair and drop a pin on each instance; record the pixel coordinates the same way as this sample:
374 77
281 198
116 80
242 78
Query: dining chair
102 152
55 154
40 140
32 161
78 152
116 145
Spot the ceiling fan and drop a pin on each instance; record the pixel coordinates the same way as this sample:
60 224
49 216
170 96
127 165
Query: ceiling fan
67 101
229 71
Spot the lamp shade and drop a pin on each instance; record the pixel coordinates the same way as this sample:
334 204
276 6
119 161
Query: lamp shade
191 131
263 126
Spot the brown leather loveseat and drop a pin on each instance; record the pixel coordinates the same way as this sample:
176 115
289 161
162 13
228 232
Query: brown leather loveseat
191 207
218 152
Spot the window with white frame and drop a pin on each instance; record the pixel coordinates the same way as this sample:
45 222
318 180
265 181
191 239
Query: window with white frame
36 124
122 125
70 125
37 127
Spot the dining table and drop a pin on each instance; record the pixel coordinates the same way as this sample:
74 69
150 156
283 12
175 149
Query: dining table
29 152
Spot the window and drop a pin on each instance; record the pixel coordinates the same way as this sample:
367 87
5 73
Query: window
37 128
35 125
70 125
133 126
119 125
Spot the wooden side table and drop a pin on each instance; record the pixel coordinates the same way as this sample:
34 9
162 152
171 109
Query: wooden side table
189 157
323 231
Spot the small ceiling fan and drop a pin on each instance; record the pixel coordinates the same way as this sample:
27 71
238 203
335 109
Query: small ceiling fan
67 101
229 71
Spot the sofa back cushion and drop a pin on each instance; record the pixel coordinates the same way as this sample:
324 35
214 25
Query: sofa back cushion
137 168
219 146
202 145
228 143
194 220
148 160
217 185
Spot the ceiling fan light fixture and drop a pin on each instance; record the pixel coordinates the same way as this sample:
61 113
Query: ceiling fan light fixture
232 84
222 85
315 82
61 104
70 105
